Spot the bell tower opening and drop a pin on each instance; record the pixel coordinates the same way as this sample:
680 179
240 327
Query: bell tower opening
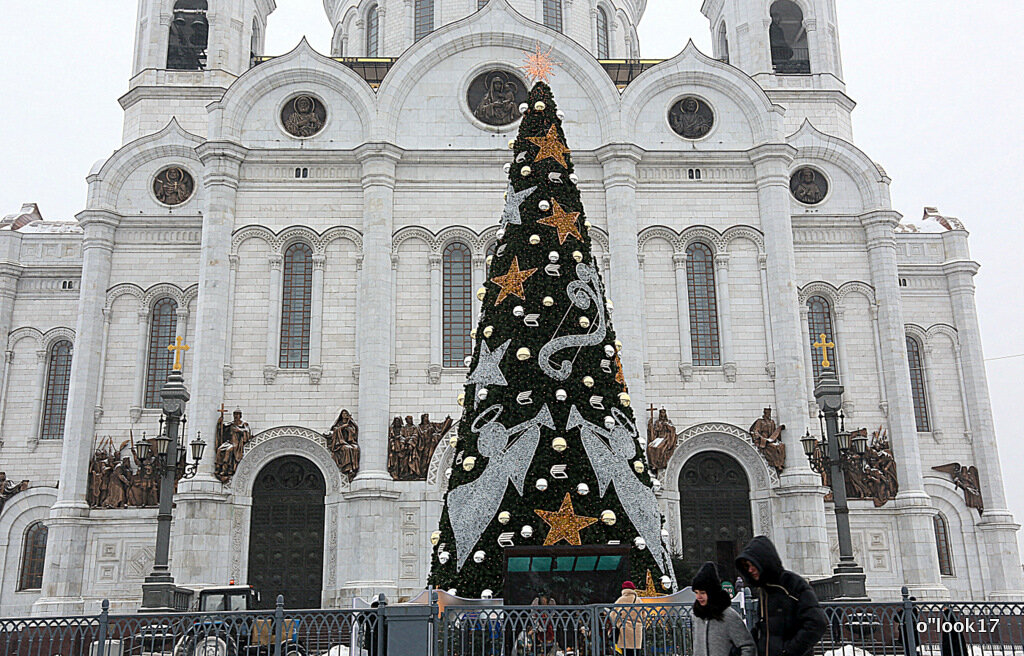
788 38
190 32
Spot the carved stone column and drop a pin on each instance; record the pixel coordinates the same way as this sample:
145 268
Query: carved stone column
479 275
997 527
270 367
620 180
683 312
964 405
917 536
9 275
67 540
98 410
38 387
883 405
840 337
229 326
8 360
802 497
141 352
927 361
437 317
725 317
805 329
316 319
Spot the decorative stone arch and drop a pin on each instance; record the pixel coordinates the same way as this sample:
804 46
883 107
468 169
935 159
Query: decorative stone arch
160 291
600 237
338 232
303 65
25 332
736 443
749 233
692 69
814 147
189 295
855 287
460 234
665 233
298 235
246 233
54 335
263 448
497 25
26 508
945 330
490 236
413 233
819 288
704 234
917 332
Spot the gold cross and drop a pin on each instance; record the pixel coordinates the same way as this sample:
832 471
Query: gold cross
178 348
824 346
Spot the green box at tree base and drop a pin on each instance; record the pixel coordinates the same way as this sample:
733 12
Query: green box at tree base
589 574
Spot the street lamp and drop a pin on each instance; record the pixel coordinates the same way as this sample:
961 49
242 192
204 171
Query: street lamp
834 454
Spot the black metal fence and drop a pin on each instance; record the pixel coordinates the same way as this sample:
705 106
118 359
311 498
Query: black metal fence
854 629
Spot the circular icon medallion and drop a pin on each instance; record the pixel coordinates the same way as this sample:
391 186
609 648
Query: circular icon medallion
691 118
173 186
303 116
494 97
808 186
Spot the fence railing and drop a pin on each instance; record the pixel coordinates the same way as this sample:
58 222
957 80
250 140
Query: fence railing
854 629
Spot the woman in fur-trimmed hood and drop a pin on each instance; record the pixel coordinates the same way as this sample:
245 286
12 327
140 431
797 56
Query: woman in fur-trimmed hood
717 628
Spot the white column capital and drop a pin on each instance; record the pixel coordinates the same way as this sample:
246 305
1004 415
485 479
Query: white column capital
679 260
435 261
762 260
275 260
41 356
394 260
721 261
233 261
318 261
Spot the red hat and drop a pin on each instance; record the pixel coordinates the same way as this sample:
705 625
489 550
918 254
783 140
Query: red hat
628 585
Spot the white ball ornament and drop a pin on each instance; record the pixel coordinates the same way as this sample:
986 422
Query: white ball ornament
664 534
618 345
526 171
487 594
488 331
508 167
482 394
609 422
553 256
539 106
608 304
560 114
624 399
526 531
608 517
453 592
479 557
583 489
578 256
523 354
588 381
435 537
656 485
468 360
518 311
481 293
638 466
609 350
548 301
500 234
666 582
542 484
587 224
561 394
468 463
448 473
544 206
523 108
442 557
573 178
640 543
504 517
472 334
534 239
559 444
584 322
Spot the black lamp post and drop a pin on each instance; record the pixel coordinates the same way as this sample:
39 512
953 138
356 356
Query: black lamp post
167 453
834 454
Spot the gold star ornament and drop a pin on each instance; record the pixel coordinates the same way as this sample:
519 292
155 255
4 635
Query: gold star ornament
539 65
566 223
512 282
651 590
565 523
550 146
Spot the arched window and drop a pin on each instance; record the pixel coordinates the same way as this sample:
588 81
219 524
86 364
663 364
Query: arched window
55 403
553 14
296 301
723 43
255 41
942 544
424 19
700 284
458 303
33 555
480 4
162 324
372 31
819 317
788 38
602 34
917 384
186 47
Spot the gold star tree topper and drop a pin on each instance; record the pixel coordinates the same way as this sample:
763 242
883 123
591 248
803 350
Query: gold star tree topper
539 65
512 282
565 523
651 590
550 146
566 223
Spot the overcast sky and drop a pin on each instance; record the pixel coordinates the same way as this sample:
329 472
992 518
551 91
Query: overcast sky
938 85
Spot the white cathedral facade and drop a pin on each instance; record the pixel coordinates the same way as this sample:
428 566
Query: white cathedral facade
315 227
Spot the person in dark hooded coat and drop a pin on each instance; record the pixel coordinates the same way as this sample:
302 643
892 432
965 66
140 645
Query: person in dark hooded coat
790 620
718 630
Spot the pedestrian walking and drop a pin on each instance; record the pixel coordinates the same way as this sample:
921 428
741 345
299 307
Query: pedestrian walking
790 620
718 630
628 622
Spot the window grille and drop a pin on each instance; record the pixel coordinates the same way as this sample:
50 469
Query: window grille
917 384
700 283
942 544
424 19
296 302
162 324
33 556
553 14
457 274
602 34
58 378
819 317
372 31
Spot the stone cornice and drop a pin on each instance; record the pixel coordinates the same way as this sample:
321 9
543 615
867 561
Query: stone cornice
206 95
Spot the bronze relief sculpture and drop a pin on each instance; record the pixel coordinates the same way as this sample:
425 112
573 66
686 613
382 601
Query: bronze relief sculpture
967 479
9 488
871 475
231 440
303 116
494 97
691 118
115 483
661 440
343 440
767 437
410 446
173 186
808 186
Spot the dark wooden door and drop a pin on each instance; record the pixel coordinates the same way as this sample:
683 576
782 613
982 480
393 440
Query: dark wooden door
714 501
286 533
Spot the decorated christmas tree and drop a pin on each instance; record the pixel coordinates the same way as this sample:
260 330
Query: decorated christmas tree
547 450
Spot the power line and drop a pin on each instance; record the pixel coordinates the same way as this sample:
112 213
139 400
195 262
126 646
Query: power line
1005 357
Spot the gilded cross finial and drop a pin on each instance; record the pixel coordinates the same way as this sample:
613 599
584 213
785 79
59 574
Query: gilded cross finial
177 348
824 345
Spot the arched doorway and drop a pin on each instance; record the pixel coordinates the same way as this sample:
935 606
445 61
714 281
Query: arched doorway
714 504
286 533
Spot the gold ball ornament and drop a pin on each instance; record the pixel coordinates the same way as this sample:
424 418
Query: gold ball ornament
468 463
539 106
480 293
504 517
512 144
618 345
548 301
534 239
488 260
435 537
488 331
578 256
608 517
526 171
461 398
624 399
523 353
588 381
472 334
559 444
584 322
453 440
638 466
587 224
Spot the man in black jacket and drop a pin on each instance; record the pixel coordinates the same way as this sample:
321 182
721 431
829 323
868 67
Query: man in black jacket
790 621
